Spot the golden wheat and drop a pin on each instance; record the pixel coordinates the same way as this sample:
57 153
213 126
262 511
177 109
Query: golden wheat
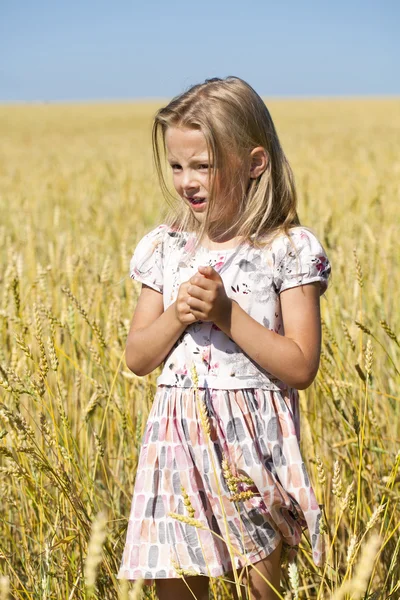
78 190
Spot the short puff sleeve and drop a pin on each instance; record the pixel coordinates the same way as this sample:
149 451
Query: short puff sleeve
146 264
304 263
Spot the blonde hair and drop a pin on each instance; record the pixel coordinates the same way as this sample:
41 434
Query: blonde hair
234 120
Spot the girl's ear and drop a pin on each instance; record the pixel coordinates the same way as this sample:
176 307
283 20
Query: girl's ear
259 161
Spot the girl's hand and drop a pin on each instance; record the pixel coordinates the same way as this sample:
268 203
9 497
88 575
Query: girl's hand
182 309
207 297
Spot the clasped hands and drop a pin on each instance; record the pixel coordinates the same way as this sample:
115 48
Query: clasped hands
203 298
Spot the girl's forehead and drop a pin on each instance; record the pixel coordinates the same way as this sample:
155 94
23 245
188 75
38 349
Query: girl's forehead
191 142
184 134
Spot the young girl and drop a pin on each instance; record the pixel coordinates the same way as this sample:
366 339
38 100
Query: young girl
230 306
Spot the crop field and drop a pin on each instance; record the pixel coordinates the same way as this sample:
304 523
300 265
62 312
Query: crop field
77 190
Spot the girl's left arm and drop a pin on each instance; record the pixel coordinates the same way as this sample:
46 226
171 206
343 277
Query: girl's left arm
292 358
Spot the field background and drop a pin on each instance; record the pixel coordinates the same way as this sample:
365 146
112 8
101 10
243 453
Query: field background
77 190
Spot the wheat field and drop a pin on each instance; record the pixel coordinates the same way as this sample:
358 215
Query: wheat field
77 190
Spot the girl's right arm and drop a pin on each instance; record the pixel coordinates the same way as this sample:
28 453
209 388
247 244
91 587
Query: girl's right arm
154 331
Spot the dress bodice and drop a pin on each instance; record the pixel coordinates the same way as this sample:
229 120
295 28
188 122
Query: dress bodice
254 277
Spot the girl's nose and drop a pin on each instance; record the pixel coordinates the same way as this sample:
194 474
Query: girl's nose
189 180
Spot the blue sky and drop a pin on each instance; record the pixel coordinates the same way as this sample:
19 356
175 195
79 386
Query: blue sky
87 50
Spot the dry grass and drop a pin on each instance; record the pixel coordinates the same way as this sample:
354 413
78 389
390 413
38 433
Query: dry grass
77 190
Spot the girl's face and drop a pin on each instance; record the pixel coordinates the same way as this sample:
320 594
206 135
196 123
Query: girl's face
191 168
193 173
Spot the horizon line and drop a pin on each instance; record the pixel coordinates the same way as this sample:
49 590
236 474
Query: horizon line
157 99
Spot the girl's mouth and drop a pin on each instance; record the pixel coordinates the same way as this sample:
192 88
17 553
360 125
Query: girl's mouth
197 202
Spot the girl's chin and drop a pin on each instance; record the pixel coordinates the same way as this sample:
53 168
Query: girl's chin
200 212
200 217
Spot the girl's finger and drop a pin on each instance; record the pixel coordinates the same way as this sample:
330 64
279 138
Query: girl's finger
196 291
210 273
202 282
191 318
198 316
205 270
196 304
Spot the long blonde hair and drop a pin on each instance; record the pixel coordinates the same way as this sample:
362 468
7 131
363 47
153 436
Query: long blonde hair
234 120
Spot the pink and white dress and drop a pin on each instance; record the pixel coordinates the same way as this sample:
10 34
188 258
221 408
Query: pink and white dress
253 418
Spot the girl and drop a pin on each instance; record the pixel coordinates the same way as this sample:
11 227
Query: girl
230 306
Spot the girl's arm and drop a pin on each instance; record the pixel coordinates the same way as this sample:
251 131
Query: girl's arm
154 331
292 358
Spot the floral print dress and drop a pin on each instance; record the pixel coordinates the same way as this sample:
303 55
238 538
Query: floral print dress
220 478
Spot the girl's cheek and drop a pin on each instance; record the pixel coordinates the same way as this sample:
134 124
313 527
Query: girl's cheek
178 187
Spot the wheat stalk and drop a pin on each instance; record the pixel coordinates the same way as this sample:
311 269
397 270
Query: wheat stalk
94 551
358 585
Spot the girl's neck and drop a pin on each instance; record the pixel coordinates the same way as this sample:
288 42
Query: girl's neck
221 236
220 242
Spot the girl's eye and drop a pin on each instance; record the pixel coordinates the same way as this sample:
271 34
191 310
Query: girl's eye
175 167
205 166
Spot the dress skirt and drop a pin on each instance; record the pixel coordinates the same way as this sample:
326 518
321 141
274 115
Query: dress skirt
220 482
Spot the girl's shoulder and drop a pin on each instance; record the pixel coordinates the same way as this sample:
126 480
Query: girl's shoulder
158 243
158 233
297 239
163 235
299 258
146 265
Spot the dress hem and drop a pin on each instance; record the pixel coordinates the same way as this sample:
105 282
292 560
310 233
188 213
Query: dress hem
259 555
